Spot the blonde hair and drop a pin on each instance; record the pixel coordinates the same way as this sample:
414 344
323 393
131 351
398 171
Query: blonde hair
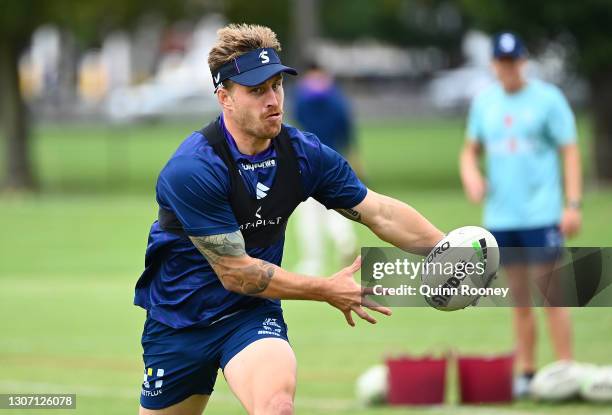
237 39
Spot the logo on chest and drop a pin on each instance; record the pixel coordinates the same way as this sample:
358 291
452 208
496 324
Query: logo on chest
259 221
258 165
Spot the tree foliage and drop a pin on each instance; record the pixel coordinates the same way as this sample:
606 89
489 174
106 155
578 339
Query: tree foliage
586 23
88 20
401 22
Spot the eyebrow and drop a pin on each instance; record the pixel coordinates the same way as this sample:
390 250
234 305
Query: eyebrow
278 77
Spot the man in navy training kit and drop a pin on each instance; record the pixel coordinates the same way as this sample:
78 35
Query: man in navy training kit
212 282
524 127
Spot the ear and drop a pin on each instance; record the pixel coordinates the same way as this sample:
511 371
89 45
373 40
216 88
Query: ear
494 67
225 99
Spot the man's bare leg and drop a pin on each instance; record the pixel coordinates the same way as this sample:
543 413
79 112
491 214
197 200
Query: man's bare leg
194 405
559 321
524 319
560 328
263 377
525 332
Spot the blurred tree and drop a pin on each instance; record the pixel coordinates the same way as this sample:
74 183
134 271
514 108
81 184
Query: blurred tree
588 25
426 23
295 22
275 14
89 21
437 23
406 23
305 23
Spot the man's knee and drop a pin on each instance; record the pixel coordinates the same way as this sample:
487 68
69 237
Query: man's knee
279 404
523 312
558 312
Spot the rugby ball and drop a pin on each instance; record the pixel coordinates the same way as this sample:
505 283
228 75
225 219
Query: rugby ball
559 381
597 385
372 386
459 268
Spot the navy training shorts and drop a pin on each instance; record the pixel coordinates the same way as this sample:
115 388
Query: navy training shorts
183 362
529 246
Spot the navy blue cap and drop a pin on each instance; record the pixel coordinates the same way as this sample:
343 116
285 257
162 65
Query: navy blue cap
508 45
252 68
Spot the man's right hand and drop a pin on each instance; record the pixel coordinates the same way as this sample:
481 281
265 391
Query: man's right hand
347 296
475 188
242 274
473 183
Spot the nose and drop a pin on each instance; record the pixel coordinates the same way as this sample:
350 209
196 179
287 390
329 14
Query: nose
271 98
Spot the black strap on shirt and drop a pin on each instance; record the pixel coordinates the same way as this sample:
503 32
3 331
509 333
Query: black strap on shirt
262 221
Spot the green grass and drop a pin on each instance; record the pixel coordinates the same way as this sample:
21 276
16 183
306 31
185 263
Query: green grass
70 256
398 154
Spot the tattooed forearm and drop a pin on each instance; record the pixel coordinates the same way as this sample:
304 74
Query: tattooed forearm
249 280
221 250
351 214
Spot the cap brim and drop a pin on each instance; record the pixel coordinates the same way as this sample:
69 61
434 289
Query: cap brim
261 74
516 54
507 56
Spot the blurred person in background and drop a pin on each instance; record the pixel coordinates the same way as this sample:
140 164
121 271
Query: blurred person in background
321 108
527 131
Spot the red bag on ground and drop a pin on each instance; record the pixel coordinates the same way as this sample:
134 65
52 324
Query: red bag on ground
416 380
485 379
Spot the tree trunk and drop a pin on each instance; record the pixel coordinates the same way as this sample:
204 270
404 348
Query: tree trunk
601 103
67 67
304 31
14 121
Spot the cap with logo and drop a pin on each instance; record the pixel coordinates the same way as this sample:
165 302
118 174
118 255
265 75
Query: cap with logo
251 68
508 45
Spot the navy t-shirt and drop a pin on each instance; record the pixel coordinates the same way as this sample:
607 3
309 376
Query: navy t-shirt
178 286
320 108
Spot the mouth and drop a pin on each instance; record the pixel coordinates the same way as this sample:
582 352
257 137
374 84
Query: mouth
274 116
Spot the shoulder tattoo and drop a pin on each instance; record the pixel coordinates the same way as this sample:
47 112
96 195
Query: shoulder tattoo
214 247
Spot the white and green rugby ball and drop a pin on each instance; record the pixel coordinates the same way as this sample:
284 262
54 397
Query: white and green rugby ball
450 289
372 386
559 381
597 385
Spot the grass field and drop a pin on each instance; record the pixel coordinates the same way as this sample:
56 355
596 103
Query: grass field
69 258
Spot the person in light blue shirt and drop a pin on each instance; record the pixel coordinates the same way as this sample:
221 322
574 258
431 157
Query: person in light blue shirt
527 132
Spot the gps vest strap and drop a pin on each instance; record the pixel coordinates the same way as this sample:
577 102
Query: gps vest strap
262 221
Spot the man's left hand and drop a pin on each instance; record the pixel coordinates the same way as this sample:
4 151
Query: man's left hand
571 222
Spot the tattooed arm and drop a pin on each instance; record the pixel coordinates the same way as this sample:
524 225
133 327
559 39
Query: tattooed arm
237 271
394 222
243 274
